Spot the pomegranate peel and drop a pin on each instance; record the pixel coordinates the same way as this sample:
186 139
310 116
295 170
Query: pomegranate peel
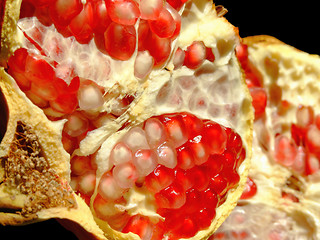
121 107
284 174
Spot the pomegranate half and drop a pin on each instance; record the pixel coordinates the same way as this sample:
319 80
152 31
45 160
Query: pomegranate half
283 185
125 119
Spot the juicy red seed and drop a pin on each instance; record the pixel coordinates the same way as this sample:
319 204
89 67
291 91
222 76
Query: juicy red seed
259 101
43 15
185 157
150 9
209 54
195 55
62 11
219 184
139 225
101 20
199 178
298 134
204 217
65 103
159 179
164 26
177 20
45 91
193 125
159 48
143 33
181 178
17 61
172 196
250 189
81 25
242 54
176 4
38 70
216 137
313 139
214 164
285 150
120 41
124 12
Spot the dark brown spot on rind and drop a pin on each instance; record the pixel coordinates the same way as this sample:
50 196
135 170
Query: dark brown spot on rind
27 170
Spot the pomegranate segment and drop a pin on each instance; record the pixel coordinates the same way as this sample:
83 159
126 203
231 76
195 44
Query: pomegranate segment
148 158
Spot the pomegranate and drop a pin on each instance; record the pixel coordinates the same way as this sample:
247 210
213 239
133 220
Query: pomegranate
123 119
284 179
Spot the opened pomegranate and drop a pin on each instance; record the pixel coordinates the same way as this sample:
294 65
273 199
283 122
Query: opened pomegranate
284 178
131 124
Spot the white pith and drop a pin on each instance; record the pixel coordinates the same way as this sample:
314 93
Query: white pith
298 76
203 97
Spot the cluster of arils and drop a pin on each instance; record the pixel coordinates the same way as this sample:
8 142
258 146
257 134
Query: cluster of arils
112 24
79 100
254 81
173 160
301 152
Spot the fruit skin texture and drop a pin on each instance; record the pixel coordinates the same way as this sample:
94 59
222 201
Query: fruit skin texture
21 109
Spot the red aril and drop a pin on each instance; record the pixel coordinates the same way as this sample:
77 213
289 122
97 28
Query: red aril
250 189
150 9
101 20
164 26
195 55
159 48
159 179
120 41
63 11
125 12
259 101
140 226
81 25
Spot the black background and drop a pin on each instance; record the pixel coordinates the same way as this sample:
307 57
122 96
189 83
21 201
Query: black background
295 23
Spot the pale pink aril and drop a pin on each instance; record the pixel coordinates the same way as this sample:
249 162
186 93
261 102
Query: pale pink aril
120 154
90 97
305 116
87 183
150 9
108 187
155 132
136 139
125 174
178 58
167 156
145 161
143 64
125 12
76 125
